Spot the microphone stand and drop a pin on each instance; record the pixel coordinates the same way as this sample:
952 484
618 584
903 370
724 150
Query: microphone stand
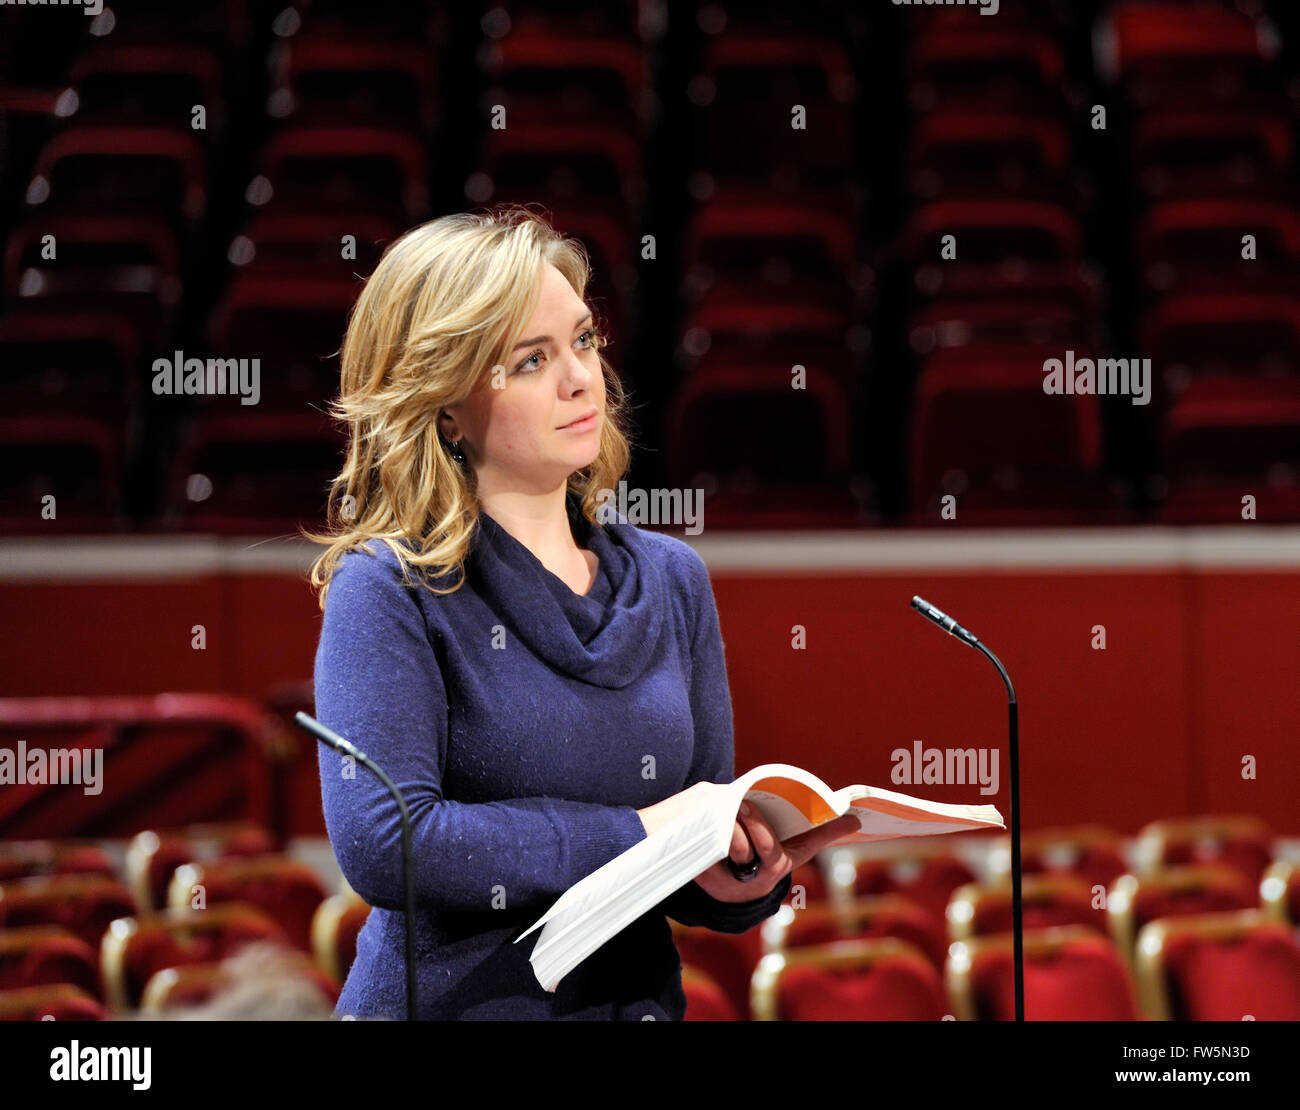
1017 923
335 741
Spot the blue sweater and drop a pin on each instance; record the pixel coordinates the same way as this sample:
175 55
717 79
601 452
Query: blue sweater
526 725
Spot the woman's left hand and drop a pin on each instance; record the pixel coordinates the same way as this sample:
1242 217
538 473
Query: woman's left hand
776 859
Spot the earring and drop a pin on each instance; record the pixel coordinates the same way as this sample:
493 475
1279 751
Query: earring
457 452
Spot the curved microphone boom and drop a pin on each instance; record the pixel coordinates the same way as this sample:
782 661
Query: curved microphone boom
939 617
335 741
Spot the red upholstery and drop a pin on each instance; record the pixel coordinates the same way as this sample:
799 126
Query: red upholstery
83 904
728 959
1084 979
1095 864
45 954
153 942
1152 902
196 984
929 882
160 852
870 919
705 1000
288 890
897 988
22 859
62 1002
1226 979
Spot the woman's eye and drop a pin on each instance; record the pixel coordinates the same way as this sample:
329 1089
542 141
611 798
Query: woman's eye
530 365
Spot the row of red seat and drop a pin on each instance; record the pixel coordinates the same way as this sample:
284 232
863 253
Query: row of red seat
190 897
61 902
1130 939
775 280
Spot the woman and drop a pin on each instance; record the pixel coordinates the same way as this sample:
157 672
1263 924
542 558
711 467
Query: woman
546 690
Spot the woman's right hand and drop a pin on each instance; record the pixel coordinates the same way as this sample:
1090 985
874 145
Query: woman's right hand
656 816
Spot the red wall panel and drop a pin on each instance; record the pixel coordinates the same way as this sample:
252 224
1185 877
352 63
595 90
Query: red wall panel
1200 668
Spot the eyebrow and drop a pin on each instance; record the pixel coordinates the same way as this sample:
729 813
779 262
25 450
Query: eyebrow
544 338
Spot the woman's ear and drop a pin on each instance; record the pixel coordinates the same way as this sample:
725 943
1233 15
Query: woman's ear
447 426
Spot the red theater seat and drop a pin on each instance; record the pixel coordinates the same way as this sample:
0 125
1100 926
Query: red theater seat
887 915
293 324
742 229
1223 426
61 1002
316 79
175 988
327 168
991 230
729 959
959 144
981 418
1093 854
153 83
154 854
950 61
1279 892
919 874
68 364
543 74
1219 967
1135 901
42 955
715 411
262 473
978 910
750 75
1246 332
135 948
1185 232
288 890
78 461
23 858
705 1000
1071 974
293 242
857 980
1208 148
1243 843
334 929
138 171
82 904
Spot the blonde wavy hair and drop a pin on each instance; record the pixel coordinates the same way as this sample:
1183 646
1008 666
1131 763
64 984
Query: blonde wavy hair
446 303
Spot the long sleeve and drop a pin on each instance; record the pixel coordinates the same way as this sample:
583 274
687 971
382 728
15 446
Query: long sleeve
379 685
714 758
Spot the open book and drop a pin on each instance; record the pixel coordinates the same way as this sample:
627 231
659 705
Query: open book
790 799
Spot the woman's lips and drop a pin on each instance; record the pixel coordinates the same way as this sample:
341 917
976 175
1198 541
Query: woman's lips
583 425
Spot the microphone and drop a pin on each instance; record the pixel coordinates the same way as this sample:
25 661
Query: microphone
943 621
939 617
334 740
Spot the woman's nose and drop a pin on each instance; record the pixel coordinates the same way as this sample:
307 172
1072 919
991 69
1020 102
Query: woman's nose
577 374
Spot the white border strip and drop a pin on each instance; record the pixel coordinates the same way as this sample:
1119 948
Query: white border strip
1246 546
1019 549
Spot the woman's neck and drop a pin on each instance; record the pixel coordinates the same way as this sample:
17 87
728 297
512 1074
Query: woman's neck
538 521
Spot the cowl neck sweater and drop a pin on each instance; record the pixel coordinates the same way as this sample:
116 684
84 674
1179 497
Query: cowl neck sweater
607 636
